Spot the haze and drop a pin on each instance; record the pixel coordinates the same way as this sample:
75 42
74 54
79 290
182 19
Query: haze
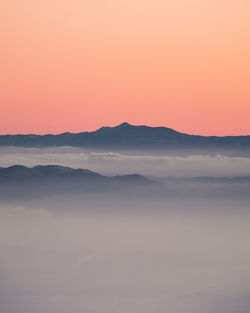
127 162
168 260
181 246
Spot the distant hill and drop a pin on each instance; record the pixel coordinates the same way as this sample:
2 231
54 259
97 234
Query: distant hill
68 187
47 173
21 185
42 172
125 136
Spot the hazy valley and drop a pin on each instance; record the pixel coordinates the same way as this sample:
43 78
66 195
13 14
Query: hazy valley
101 230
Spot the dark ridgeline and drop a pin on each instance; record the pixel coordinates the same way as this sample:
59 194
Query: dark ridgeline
126 136
63 174
19 182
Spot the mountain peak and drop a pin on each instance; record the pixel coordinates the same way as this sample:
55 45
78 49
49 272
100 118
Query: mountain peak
124 124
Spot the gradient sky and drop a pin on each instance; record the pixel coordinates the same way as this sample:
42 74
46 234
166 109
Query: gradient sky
77 65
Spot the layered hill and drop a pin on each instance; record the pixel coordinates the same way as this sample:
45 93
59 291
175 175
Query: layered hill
47 173
20 183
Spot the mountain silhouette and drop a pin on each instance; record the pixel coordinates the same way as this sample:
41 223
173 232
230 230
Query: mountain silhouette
63 174
127 136
18 183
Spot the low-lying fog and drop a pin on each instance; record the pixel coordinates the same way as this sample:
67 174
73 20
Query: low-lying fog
166 261
113 163
134 252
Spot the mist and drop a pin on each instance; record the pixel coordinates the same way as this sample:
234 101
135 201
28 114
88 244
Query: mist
191 260
178 243
114 163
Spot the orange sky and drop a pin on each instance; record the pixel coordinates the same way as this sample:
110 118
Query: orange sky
77 65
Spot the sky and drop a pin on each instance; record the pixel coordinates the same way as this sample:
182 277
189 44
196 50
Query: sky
74 65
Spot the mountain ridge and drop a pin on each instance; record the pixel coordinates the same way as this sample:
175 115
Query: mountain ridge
126 135
62 172
19 183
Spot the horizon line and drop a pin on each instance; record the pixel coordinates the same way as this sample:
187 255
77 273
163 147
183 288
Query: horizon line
120 124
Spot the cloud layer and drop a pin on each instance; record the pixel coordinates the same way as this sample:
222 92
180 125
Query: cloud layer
134 262
111 163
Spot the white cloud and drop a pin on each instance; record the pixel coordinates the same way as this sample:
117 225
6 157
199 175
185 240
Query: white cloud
112 163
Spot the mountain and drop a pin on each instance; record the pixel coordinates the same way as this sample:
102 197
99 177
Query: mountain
68 187
17 173
126 136
48 171
20 183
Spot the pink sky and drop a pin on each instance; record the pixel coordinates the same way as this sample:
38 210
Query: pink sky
78 65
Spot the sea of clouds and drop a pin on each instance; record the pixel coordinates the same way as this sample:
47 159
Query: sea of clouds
187 256
112 163
140 262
